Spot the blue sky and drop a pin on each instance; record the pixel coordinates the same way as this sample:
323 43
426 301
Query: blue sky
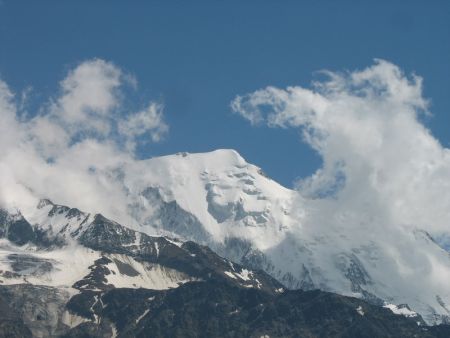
197 57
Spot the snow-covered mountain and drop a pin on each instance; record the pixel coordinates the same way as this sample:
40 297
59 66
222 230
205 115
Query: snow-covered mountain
220 200
60 262
68 273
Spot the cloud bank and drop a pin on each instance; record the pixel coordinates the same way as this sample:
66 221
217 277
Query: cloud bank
380 163
67 150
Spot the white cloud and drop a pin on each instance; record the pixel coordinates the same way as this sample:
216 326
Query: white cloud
379 161
89 93
9 124
148 121
68 151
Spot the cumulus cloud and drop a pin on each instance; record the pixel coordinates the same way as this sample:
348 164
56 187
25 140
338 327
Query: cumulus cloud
69 148
380 162
149 120
89 93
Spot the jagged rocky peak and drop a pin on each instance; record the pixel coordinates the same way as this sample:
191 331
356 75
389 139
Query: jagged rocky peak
15 227
107 248
54 209
44 202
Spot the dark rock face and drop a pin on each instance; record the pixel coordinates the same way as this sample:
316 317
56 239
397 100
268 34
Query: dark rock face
90 330
11 323
96 278
103 234
200 309
215 309
32 310
16 228
20 232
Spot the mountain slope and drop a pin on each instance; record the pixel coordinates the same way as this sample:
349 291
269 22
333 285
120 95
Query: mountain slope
212 309
70 255
80 275
219 200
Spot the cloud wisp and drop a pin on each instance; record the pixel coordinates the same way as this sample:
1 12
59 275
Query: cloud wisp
67 150
379 161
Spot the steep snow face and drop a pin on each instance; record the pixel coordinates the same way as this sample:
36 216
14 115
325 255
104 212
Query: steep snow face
219 200
221 194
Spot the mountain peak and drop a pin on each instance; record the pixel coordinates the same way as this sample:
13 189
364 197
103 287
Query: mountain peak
229 154
44 202
217 158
